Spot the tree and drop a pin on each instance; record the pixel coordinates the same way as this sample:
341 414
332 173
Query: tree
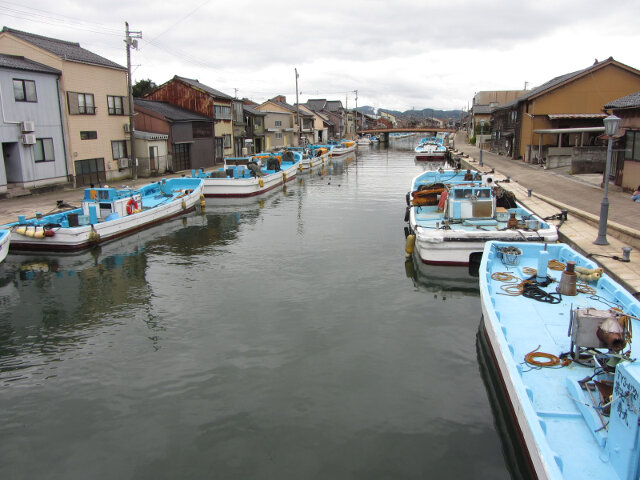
142 87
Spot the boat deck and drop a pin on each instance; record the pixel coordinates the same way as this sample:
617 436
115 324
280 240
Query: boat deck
524 325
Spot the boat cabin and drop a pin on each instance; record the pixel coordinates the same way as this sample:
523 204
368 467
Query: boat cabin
108 201
471 201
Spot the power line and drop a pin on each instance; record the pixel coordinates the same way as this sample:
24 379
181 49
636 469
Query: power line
51 18
181 20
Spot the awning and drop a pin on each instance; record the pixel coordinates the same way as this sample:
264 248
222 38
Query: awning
150 135
571 130
561 116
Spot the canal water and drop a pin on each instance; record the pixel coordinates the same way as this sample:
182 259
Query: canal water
279 338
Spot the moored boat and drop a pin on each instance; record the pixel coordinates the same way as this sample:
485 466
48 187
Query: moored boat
559 332
453 213
5 240
316 155
337 149
431 149
364 140
106 213
250 176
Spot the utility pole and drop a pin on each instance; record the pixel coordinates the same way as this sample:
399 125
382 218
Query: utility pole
346 114
298 109
356 114
131 40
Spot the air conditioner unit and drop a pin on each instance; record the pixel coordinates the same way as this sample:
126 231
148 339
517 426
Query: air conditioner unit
29 139
27 126
123 163
127 128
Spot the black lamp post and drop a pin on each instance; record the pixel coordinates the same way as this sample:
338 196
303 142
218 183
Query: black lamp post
611 124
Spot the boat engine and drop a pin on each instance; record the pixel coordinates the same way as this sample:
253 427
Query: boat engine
590 328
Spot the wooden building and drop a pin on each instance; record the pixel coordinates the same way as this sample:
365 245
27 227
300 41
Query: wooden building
196 97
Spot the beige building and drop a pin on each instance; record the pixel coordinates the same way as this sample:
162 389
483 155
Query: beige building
93 97
280 123
315 129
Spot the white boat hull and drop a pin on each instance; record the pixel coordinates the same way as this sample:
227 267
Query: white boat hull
311 162
4 245
248 187
338 152
76 238
456 247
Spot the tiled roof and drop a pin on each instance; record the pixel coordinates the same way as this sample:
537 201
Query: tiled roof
630 101
253 111
333 105
554 82
482 109
171 112
211 91
71 51
20 63
316 104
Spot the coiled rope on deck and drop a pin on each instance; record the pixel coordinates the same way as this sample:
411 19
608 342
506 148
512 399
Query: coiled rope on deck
550 359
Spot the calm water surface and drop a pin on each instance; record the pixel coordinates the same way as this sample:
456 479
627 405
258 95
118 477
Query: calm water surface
282 338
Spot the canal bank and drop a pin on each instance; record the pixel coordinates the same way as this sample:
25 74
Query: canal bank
548 192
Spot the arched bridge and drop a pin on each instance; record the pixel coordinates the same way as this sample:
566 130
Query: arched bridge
407 130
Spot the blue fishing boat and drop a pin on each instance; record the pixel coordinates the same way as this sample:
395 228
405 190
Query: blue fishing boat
5 240
250 176
431 149
106 213
452 213
559 332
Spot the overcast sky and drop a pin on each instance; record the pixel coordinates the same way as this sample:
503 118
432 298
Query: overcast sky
397 54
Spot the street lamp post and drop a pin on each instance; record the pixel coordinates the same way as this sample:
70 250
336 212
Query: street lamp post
611 124
481 134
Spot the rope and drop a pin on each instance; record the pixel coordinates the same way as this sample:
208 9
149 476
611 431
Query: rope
551 360
531 290
556 265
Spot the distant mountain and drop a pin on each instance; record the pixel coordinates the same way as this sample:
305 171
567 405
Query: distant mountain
424 113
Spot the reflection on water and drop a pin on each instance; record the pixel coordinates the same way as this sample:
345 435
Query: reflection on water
276 337
512 447
444 281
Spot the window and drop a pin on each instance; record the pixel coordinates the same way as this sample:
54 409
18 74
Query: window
24 90
632 145
115 105
227 140
279 136
278 123
43 150
222 113
81 103
88 135
119 149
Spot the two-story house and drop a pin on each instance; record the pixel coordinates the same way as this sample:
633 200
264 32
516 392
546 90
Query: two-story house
189 141
333 112
94 92
255 128
280 123
33 153
549 121
194 96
